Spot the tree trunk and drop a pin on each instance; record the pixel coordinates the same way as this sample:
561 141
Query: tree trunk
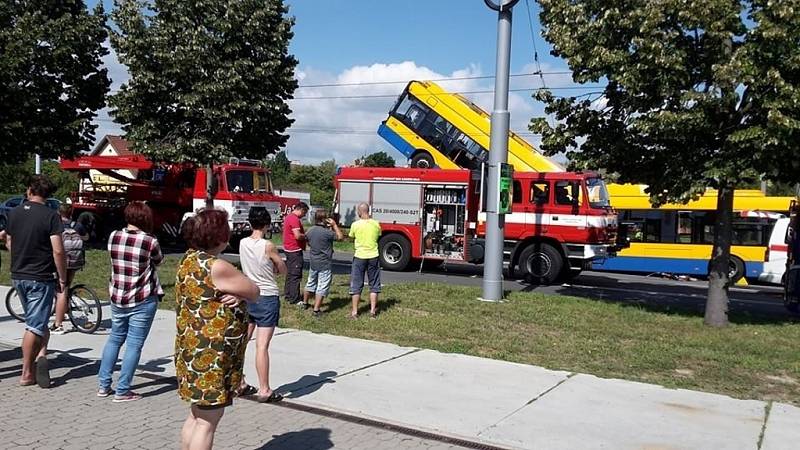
719 268
210 186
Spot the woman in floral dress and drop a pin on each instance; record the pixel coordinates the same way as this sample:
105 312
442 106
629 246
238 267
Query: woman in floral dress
212 327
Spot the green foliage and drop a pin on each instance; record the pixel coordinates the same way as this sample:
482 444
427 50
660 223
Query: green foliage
14 178
279 168
317 180
209 78
51 80
699 93
378 159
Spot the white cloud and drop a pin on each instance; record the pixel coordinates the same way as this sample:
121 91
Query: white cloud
344 129
321 126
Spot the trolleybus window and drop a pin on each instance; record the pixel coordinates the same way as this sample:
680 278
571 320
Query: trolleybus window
439 133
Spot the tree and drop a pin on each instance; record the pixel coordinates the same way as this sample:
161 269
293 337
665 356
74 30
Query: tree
698 94
318 180
51 80
279 167
378 159
209 78
14 178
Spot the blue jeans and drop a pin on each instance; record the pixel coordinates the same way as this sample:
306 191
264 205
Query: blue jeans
37 303
129 326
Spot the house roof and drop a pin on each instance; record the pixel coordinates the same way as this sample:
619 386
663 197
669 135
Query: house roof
118 143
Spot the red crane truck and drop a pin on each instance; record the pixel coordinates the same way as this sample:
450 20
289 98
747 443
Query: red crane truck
172 190
559 222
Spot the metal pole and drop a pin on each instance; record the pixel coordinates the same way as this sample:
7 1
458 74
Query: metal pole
38 167
498 154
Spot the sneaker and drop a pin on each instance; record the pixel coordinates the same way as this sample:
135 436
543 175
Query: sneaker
129 397
317 314
103 392
57 330
302 305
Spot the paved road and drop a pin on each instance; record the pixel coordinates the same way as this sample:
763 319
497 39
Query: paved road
70 416
749 303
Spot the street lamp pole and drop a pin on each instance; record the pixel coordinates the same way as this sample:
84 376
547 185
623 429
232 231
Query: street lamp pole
498 155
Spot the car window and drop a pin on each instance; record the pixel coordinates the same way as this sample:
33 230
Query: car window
14 202
53 203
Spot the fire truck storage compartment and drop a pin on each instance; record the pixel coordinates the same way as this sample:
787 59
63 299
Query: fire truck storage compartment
391 202
443 217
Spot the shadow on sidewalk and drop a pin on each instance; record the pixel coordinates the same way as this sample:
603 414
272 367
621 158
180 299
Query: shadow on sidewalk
307 384
316 438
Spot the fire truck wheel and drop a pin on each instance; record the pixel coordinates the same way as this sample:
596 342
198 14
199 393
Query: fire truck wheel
395 252
422 160
541 263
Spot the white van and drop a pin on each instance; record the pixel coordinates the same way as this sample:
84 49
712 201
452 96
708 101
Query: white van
775 264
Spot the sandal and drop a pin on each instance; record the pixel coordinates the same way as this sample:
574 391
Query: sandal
274 397
245 391
352 316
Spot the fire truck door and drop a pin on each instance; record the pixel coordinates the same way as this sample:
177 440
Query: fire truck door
536 198
516 221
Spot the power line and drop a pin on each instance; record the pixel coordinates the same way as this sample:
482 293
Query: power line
378 83
533 41
344 97
486 77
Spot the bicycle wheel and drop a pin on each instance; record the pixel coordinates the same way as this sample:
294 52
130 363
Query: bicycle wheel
84 310
14 305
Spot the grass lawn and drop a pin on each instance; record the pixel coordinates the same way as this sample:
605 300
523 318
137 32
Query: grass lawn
749 359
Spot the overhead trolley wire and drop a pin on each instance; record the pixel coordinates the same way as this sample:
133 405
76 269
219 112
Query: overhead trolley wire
484 77
533 41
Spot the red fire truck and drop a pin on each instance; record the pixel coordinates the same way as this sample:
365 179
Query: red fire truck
173 191
559 222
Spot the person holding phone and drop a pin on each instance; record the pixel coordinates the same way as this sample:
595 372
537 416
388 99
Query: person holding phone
320 238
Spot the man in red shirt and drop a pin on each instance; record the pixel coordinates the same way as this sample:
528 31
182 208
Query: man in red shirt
294 240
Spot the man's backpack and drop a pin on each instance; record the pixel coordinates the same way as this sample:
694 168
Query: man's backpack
73 247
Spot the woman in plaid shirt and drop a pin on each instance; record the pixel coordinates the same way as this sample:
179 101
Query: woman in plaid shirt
135 290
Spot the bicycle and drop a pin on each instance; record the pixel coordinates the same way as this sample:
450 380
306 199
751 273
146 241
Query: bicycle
84 310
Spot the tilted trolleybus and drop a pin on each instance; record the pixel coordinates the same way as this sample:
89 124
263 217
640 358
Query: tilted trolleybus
436 128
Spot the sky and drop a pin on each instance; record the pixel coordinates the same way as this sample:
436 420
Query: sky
358 41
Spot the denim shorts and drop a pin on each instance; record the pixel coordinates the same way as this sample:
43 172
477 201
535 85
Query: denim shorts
265 311
319 282
372 268
37 302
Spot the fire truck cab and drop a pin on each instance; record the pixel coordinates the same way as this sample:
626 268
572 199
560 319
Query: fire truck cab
558 225
172 190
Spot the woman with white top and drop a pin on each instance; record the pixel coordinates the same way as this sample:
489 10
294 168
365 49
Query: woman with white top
262 263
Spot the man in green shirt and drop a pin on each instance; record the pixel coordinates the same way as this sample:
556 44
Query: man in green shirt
366 232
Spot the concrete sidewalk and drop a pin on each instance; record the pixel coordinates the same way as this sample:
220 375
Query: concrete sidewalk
493 402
